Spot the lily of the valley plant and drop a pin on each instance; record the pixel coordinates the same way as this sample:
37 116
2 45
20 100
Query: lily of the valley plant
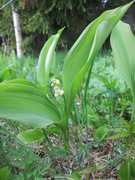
28 103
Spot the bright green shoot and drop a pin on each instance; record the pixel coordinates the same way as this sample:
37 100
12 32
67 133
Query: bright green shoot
46 58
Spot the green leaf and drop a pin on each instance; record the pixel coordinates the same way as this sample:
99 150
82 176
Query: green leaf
81 56
4 173
12 59
127 170
31 136
73 176
51 130
123 46
119 135
20 100
101 132
108 84
46 58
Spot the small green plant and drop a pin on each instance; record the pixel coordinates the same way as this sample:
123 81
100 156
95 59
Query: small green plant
12 68
123 44
19 96
42 106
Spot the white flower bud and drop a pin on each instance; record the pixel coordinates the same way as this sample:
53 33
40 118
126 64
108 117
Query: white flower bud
56 94
61 92
56 88
78 103
57 82
52 84
24 69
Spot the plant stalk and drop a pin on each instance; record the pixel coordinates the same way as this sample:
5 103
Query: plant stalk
85 110
46 138
133 111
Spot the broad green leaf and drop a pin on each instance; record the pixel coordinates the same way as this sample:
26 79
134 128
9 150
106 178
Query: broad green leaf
81 56
127 170
20 100
31 136
46 58
123 46
4 173
101 132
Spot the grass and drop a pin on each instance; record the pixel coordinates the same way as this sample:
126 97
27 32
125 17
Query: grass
108 104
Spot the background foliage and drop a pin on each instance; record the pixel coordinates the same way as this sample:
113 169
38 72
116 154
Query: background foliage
41 18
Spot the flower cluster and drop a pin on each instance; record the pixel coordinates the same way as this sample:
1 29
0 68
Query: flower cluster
57 89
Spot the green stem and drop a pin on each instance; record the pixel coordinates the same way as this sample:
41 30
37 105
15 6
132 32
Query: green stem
79 133
85 111
111 104
133 111
46 138
66 117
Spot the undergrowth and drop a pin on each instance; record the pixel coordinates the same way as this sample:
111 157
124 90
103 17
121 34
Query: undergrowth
108 104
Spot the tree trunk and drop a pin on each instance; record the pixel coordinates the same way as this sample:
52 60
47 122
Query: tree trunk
18 33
